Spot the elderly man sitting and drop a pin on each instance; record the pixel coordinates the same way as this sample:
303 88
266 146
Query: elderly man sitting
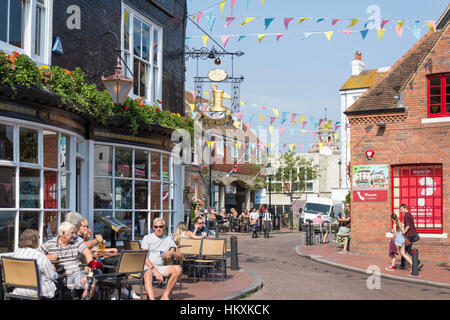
67 248
160 247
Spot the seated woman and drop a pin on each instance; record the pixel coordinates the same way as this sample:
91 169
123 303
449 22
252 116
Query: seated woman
183 232
28 243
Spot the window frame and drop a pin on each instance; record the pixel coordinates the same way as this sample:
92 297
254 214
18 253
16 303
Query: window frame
443 95
148 98
29 32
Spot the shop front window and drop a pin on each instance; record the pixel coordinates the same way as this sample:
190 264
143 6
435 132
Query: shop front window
420 188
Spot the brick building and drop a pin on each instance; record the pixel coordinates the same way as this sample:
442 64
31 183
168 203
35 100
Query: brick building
404 120
54 157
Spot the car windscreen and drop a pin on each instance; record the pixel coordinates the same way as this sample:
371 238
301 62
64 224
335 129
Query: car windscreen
316 208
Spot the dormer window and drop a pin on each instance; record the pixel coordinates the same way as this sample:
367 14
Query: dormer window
439 95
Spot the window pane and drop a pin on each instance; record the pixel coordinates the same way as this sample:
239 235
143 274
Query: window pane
124 161
65 152
123 194
435 100
145 42
50 149
141 164
103 193
165 172
7 220
155 199
50 225
37 40
7 188
102 160
447 80
137 32
3 22
100 227
435 109
126 27
6 142
435 81
136 77
28 145
140 225
141 194
155 47
153 215
165 196
50 190
142 79
125 218
155 166
29 188
154 84
16 23
28 220
435 91
65 190
447 108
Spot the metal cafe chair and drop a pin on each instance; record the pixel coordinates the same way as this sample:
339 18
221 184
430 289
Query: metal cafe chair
20 273
212 257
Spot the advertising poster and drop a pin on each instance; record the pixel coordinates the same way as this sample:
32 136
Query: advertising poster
370 183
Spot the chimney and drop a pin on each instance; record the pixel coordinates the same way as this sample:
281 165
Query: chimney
357 64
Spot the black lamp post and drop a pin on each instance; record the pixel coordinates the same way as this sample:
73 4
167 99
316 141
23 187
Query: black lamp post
270 174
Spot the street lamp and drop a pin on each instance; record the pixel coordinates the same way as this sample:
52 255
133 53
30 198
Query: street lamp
270 173
117 84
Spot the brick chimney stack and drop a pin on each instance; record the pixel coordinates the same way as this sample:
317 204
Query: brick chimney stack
357 64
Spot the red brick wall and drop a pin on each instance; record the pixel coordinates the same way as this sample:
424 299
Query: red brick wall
405 141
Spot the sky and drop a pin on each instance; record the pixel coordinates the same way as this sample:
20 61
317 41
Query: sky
303 71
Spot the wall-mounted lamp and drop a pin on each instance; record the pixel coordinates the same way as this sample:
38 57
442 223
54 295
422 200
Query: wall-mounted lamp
381 124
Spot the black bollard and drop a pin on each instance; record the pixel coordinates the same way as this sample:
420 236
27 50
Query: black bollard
415 262
309 233
234 253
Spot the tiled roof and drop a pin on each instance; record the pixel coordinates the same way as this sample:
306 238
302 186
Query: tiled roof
364 80
384 94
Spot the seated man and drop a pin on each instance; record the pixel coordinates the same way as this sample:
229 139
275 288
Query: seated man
68 249
159 249
202 230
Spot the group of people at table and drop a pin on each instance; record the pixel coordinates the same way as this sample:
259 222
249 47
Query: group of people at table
61 256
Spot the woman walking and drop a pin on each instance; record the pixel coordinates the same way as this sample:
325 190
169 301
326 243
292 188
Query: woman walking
399 240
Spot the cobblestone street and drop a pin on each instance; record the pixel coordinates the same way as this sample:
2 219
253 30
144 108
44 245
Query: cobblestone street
286 275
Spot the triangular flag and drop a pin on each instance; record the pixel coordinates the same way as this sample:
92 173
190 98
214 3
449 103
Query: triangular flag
247 20
303 131
304 124
287 21
347 32
261 118
416 32
320 145
225 40
229 20
399 30
320 20
301 147
364 33
291 146
281 131
400 24
336 135
242 104
270 129
380 33
354 21
232 5
335 21
261 36
205 40
222 5
211 23
367 23
431 25
320 122
329 34
283 117
279 36
251 117
192 106
293 117
237 123
186 40
248 125
199 16
307 34
194 94
241 37
301 20
272 119
275 112
284 145
239 114
302 118
383 23
263 108
239 144
267 22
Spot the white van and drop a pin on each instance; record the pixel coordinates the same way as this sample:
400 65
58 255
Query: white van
316 206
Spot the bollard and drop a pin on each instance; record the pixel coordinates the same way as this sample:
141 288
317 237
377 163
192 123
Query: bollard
234 253
415 262
309 233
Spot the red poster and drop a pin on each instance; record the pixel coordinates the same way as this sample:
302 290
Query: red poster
370 195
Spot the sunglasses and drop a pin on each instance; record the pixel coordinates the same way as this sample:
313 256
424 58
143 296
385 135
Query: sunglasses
158 227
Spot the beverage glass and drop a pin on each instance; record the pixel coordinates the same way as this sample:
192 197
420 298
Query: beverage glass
101 246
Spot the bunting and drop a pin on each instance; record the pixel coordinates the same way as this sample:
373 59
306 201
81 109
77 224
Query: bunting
247 20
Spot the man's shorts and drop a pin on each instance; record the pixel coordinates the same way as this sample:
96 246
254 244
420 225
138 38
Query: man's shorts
161 269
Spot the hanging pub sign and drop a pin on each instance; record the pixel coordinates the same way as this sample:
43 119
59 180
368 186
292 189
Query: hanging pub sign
370 183
370 154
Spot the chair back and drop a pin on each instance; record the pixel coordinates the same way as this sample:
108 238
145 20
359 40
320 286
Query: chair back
132 261
194 249
20 273
132 245
213 247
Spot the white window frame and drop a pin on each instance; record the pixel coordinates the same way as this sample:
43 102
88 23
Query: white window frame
148 98
29 31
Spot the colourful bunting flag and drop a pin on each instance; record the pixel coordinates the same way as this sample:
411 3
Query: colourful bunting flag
272 119
354 21
335 21
287 21
279 36
431 25
347 32
383 23
261 36
283 117
241 37
275 112
192 106
364 33
267 22
320 20
303 125
281 131
242 104
307 34
232 5
199 16
247 20
225 40
261 118
293 117
302 119
329 34
270 129
399 30
239 114
301 20
380 33
248 125
205 40
229 20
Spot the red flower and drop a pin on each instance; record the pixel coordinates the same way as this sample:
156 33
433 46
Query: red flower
126 107
67 72
157 110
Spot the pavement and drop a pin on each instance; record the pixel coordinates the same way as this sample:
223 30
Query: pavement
248 280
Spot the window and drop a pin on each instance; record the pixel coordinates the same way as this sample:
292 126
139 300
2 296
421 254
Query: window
36 181
134 186
439 95
25 27
142 45
420 188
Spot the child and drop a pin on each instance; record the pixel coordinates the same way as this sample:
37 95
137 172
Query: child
399 240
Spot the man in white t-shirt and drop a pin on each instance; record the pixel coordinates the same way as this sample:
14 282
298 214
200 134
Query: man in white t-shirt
160 247
254 216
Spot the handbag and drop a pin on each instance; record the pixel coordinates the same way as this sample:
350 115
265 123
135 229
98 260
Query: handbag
252 222
407 242
415 238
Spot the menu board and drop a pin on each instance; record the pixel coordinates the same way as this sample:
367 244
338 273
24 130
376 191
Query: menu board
166 5
114 224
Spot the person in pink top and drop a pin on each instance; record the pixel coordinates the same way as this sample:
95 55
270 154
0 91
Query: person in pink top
320 221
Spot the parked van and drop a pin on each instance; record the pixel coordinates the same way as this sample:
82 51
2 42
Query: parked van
316 206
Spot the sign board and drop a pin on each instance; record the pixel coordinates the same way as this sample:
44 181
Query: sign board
217 75
166 5
260 196
370 183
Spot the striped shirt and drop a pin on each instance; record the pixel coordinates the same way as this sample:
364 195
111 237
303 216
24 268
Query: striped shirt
267 216
46 272
70 255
